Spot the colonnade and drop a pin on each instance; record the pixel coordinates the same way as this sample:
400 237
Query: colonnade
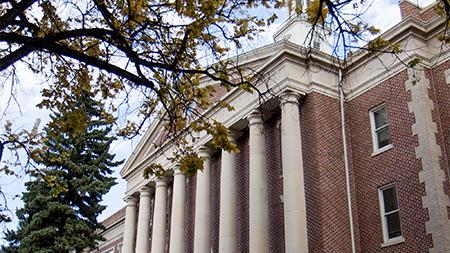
293 197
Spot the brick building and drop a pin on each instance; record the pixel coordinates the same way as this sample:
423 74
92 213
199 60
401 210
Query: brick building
288 190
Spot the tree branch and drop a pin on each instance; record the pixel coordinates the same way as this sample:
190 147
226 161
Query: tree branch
17 10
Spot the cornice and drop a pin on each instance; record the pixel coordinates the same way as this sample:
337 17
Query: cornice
280 53
277 56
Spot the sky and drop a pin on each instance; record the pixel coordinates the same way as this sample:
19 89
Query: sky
383 13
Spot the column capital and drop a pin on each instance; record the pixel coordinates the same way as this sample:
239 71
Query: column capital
177 171
130 200
145 191
255 118
289 97
233 135
161 182
205 152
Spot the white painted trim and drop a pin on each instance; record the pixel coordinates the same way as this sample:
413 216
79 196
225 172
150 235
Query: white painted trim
377 150
386 240
396 240
382 150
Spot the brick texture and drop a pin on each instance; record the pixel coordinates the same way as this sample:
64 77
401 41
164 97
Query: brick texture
326 201
191 183
242 175
215 200
274 184
168 213
439 92
397 165
409 9
152 212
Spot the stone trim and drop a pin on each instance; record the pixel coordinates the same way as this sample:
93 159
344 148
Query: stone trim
429 152
447 76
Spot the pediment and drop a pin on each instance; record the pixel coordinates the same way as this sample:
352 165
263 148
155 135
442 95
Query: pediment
263 60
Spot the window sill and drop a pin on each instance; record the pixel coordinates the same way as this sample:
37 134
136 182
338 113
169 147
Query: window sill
393 241
381 150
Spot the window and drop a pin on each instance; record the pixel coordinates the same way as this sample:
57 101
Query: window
390 214
380 129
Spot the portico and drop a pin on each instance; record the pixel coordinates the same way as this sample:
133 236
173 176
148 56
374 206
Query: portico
258 212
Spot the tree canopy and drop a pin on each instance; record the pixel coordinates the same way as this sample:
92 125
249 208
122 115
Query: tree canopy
163 50
62 200
172 54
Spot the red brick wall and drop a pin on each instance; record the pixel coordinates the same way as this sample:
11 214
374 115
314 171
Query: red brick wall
326 201
152 212
168 213
215 200
409 9
439 92
242 176
191 184
274 184
397 165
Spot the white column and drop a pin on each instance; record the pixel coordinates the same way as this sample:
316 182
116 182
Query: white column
296 239
202 205
159 217
258 199
143 230
130 224
177 235
227 223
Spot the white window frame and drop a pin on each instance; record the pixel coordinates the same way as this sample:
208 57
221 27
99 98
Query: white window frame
373 130
386 240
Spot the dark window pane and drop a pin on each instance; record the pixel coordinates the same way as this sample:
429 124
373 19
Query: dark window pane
380 117
390 200
393 225
383 137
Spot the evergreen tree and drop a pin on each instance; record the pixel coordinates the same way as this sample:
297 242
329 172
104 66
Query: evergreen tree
62 201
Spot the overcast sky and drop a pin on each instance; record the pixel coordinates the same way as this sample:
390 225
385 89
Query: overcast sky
383 14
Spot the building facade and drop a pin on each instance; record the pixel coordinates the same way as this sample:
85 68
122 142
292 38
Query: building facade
299 170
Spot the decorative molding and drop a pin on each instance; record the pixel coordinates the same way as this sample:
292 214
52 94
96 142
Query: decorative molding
255 118
161 182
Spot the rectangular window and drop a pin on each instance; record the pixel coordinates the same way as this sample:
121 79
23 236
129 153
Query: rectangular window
390 214
380 128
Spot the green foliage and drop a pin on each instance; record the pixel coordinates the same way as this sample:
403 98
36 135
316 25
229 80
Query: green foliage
159 50
414 62
317 12
379 44
154 169
62 200
17 151
150 47
191 163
